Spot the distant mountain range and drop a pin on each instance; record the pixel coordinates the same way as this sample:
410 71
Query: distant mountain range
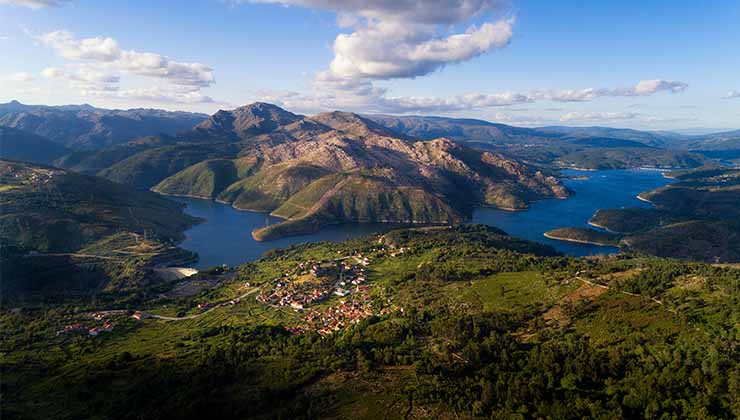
339 167
312 171
84 127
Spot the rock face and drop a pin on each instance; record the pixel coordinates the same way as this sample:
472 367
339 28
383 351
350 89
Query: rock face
340 167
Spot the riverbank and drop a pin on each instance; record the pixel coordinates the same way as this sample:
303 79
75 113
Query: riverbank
577 241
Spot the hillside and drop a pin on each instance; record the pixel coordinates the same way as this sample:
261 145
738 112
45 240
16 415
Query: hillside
695 218
89 128
461 323
349 169
20 145
53 218
564 147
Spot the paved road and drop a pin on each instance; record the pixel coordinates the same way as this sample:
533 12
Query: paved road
181 318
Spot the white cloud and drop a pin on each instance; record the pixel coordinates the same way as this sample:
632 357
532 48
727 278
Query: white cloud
363 96
427 11
732 94
597 116
35 4
395 39
97 64
155 95
642 88
52 72
106 54
392 39
20 77
390 49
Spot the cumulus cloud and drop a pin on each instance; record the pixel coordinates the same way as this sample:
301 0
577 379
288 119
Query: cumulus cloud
106 53
392 39
732 94
35 4
97 65
396 39
427 11
397 49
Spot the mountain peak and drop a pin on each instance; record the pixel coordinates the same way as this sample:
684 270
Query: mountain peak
248 120
352 123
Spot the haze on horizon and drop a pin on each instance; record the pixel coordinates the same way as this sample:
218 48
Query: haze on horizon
658 66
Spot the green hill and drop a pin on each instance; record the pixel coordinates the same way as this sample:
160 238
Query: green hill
48 213
20 145
448 323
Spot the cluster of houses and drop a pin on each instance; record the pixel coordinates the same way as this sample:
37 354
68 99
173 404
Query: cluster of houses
296 295
34 175
83 329
347 312
325 278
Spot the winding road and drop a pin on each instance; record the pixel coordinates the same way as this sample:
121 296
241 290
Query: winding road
181 318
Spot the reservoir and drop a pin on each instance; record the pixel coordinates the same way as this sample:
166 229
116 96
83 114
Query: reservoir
609 189
225 237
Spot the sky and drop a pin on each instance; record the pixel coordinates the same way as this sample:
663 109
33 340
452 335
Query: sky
658 65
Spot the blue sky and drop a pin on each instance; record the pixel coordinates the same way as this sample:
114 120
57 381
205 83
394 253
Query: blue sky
648 65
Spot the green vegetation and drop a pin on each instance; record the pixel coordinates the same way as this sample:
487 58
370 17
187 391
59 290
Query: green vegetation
56 225
469 323
20 145
630 157
584 236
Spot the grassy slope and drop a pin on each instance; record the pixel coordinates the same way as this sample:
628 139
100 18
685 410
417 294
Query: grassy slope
54 211
484 332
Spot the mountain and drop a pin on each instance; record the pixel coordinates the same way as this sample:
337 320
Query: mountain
581 147
242 123
93 161
350 169
20 145
84 127
446 323
54 219
459 129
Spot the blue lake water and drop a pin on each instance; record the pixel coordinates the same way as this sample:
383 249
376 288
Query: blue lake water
599 189
225 237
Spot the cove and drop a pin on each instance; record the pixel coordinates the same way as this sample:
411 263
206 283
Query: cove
593 190
225 236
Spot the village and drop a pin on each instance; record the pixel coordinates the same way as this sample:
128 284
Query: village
100 324
313 282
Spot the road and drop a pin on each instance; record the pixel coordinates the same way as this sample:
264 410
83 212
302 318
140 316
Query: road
181 318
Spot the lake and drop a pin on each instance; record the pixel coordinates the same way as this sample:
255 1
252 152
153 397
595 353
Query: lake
597 190
225 237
